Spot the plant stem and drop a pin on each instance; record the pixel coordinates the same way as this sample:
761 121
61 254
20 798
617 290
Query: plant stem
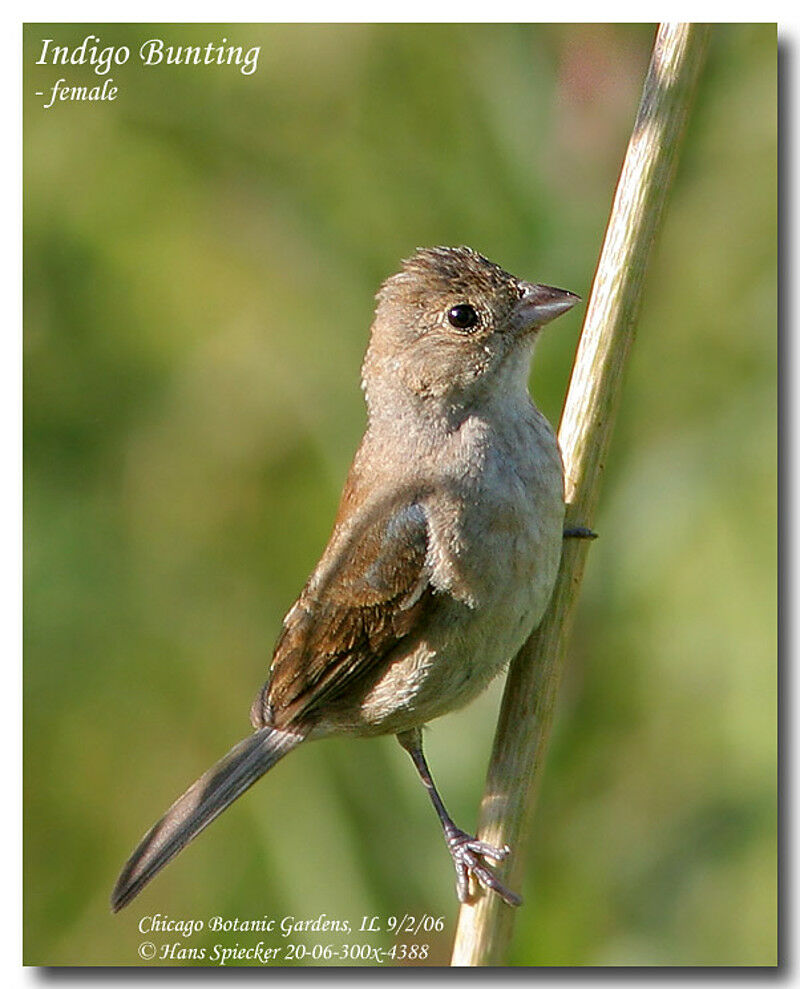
517 762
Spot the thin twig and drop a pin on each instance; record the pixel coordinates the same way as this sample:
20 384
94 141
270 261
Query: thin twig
485 926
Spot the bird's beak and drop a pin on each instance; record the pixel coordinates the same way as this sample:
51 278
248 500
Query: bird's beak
540 304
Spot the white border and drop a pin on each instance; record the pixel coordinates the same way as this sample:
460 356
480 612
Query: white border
10 359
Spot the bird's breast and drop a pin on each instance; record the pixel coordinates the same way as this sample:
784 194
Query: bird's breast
496 520
495 543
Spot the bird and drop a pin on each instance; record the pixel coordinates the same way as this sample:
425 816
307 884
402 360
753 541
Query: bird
442 557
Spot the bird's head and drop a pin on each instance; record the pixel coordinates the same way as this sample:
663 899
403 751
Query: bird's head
451 325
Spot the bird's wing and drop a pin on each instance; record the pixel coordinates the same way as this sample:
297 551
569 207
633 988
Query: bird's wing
370 590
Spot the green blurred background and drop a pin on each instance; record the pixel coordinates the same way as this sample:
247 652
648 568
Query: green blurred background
201 257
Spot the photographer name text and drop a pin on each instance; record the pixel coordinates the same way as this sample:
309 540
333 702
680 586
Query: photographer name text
331 939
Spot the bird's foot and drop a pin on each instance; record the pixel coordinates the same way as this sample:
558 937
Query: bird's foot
467 853
579 532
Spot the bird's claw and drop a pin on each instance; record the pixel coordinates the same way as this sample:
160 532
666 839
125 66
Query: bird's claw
467 853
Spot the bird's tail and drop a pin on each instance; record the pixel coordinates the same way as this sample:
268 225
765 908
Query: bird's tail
202 802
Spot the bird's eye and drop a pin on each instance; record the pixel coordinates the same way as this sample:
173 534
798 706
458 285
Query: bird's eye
463 317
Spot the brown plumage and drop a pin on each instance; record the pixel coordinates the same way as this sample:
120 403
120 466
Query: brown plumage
442 556
344 625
